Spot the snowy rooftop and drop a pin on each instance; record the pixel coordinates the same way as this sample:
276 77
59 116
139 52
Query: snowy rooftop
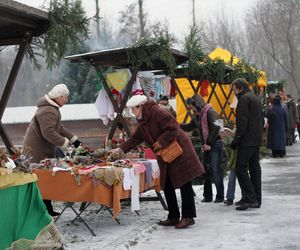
69 112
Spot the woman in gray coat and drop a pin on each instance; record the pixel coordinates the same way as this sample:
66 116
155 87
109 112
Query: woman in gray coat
45 132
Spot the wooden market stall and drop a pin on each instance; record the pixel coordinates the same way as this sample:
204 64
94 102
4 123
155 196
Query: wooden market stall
219 94
24 218
18 25
190 84
119 58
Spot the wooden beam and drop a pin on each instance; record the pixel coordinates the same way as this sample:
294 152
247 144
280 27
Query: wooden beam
6 140
182 97
17 20
122 106
10 83
14 72
118 109
196 90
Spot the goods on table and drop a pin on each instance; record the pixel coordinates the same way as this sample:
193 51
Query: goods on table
99 164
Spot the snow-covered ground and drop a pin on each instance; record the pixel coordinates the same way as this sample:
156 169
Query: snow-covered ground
276 225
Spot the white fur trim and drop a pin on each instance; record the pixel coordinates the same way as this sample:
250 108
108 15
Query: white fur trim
51 102
73 139
66 143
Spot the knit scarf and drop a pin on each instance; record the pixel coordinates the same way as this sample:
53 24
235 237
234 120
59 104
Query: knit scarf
203 121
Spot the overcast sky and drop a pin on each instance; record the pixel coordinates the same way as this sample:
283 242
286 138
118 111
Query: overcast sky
177 12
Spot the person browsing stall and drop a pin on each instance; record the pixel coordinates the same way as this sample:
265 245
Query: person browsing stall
158 128
46 133
212 145
164 104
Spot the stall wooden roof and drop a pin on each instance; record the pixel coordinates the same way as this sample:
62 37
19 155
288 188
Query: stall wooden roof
119 58
16 19
18 24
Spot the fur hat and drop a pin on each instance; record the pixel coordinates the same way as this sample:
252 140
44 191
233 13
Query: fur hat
58 90
136 100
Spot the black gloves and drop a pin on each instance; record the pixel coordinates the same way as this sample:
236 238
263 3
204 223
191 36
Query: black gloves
235 143
76 143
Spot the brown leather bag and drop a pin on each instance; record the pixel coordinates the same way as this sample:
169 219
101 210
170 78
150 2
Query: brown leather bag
171 152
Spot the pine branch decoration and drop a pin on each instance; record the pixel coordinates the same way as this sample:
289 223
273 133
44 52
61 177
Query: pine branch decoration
68 25
149 49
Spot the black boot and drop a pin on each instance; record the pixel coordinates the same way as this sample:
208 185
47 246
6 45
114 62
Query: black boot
50 208
228 202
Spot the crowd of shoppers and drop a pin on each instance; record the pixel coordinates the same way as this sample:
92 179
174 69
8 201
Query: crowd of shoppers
158 128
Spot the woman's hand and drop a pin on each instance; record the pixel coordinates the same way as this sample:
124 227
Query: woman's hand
206 147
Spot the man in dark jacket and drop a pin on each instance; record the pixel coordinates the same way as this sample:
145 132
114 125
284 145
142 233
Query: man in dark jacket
212 146
248 138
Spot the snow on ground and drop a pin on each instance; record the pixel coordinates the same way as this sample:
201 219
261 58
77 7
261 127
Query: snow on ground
276 225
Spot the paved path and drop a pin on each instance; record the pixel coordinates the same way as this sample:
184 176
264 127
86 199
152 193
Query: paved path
276 225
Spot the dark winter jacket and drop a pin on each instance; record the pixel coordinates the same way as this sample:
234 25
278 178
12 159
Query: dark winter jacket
159 125
293 113
249 120
278 127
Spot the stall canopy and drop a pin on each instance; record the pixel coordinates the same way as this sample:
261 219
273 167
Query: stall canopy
218 94
18 24
226 56
119 58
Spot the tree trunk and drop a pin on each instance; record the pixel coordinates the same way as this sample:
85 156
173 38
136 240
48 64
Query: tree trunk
142 19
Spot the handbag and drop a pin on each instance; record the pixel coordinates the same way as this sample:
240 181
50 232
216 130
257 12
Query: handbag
171 152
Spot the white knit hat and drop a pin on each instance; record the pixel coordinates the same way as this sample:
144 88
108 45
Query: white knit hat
58 90
136 100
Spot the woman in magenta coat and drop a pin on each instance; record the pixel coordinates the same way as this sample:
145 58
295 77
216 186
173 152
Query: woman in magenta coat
158 128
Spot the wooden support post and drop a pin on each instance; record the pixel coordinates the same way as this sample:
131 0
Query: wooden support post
6 140
9 86
195 92
118 109
182 97
226 103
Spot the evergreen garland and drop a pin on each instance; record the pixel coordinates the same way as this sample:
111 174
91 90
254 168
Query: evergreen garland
149 49
245 70
68 25
199 64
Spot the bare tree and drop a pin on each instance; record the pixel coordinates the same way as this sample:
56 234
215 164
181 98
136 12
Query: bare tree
194 16
142 19
129 31
225 32
277 26
97 17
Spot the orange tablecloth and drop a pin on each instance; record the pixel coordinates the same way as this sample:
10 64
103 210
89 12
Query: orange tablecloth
63 187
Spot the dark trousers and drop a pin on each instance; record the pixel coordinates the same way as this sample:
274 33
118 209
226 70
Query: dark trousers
248 157
187 197
279 153
214 171
49 206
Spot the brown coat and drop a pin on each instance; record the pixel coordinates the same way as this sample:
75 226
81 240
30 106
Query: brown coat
46 132
159 125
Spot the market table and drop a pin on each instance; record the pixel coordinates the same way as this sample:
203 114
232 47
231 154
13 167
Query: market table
24 220
63 187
